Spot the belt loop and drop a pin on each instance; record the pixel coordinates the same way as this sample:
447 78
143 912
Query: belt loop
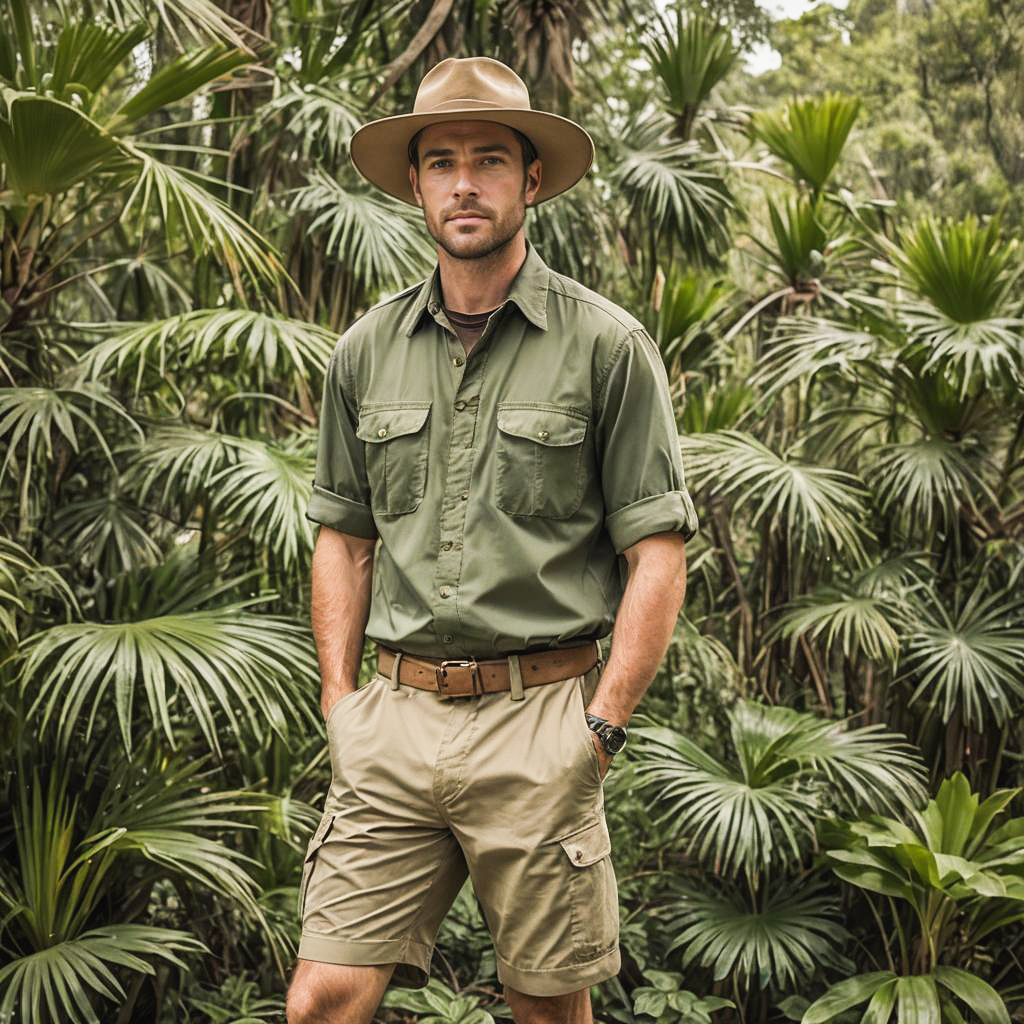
515 678
394 670
600 659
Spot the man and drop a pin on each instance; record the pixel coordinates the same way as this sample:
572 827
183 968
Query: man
497 444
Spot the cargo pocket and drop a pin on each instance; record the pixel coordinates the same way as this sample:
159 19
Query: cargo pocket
396 437
539 460
592 890
323 830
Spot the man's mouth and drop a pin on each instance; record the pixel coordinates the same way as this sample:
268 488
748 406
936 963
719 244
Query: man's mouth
466 218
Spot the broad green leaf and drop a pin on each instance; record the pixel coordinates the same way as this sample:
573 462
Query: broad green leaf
844 995
917 1000
982 999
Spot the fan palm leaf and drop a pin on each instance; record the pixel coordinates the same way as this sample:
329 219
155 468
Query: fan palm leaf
59 983
781 940
109 533
968 658
742 815
32 419
691 58
215 661
802 347
320 116
808 134
234 341
379 240
924 484
199 20
21 576
676 188
265 492
813 506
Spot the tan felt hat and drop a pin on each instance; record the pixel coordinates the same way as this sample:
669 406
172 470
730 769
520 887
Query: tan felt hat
472 89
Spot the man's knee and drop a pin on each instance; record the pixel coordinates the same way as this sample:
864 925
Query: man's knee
570 1008
334 993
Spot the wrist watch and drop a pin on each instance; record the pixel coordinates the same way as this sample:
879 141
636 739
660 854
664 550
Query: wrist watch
612 737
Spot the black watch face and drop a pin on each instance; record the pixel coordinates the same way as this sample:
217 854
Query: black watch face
615 739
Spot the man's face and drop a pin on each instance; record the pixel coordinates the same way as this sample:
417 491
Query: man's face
472 186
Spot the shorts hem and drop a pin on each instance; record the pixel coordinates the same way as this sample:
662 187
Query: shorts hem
412 959
559 981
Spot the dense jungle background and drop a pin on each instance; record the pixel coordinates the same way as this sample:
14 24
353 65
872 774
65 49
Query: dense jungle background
818 817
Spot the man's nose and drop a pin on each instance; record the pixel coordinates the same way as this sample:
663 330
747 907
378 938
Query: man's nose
464 183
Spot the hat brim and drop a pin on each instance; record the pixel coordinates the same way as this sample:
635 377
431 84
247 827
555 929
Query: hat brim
380 149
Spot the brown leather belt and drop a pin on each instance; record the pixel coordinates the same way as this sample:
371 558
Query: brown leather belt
462 677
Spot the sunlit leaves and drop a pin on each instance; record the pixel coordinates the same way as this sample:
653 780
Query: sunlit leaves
808 134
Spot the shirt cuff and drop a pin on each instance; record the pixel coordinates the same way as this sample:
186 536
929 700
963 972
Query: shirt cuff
672 512
341 514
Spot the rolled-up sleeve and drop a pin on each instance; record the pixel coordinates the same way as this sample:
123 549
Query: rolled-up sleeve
341 493
638 448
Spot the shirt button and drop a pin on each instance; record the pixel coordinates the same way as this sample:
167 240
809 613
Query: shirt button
460 405
382 432
458 361
543 435
464 496
433 307
446 546
447 638
445 591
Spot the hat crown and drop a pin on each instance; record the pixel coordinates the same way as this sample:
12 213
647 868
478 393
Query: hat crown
460 82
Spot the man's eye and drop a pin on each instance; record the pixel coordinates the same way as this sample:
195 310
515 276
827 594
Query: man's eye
437 163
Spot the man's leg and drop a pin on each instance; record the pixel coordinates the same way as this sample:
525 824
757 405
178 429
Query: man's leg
322 993
571 1008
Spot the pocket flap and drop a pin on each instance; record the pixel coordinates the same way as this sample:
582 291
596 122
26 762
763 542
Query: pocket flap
588 844
382 423
545 426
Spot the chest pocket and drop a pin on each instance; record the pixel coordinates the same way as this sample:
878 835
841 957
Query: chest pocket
539 460
396 436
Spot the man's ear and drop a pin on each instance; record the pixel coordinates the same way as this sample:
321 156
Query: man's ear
414 181
533 176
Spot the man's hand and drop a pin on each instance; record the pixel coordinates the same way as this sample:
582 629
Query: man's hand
605 759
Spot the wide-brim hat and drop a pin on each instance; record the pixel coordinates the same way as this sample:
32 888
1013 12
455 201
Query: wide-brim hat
472 89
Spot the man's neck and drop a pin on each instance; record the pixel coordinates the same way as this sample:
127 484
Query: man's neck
476 286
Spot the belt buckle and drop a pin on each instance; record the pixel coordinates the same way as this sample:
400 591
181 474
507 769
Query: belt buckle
441 674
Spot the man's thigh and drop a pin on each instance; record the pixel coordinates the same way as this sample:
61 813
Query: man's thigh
321 993
529 818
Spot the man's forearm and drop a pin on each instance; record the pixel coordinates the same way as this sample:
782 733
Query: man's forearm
342 580
643 626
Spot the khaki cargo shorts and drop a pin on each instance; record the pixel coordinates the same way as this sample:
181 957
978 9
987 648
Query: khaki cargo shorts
426 791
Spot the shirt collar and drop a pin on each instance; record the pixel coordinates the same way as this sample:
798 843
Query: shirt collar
529 292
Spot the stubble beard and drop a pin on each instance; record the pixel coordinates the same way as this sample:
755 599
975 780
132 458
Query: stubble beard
478 245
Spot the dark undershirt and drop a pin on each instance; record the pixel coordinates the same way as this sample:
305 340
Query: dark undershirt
469 326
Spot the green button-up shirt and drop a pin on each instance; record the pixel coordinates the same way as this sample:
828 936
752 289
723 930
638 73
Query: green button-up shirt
504 485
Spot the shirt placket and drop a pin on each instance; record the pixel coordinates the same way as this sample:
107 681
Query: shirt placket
467 375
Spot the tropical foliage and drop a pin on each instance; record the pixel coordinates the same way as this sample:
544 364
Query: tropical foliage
819 814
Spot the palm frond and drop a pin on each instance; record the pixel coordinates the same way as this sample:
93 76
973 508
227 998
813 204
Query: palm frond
925 483
192 214
56 983
677 188
217 663
968 658
199 20
815 507
321 117
234 341
787 769
379 240
265 492
22 579
808 134
781 940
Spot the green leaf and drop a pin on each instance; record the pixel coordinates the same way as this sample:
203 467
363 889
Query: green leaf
917 1000
845 995
982 999
882 1002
